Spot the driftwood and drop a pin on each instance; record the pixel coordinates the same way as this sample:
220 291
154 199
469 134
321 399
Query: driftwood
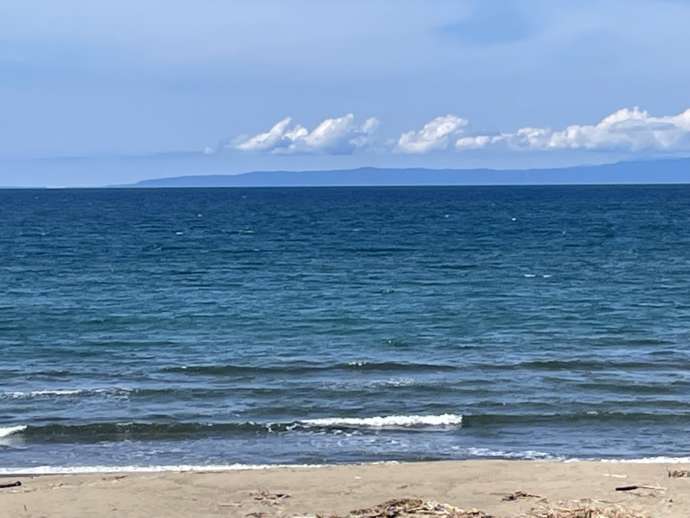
632 488
11 484
517 495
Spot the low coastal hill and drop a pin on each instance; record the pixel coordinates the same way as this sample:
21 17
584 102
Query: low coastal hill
660 171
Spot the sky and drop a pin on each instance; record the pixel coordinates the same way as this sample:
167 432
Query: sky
96 93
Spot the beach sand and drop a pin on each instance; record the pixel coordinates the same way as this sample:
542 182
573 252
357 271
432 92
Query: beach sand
337 490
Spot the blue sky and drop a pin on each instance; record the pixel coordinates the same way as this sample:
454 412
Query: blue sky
303 84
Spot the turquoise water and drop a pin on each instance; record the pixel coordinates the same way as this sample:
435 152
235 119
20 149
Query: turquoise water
221 326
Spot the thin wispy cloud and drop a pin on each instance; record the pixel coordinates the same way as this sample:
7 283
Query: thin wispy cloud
492 23
339 135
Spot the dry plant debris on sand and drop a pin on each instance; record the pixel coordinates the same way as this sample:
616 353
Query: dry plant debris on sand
587 509
414 507
407 507
266 497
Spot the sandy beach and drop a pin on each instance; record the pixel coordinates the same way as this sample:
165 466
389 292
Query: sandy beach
339 490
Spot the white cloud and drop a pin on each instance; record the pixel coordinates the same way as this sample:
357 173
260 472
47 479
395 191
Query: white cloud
340 135
477 142
433 136
629 130
268 140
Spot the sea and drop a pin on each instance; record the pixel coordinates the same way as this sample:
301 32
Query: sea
217 328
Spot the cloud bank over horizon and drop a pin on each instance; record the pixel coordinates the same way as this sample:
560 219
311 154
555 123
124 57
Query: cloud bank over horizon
628 130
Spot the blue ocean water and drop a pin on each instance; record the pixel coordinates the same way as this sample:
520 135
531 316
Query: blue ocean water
222 326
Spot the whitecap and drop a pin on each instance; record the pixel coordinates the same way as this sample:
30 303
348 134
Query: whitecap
10 430
393 382
388 421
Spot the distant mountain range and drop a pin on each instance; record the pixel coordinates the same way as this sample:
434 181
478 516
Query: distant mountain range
657 171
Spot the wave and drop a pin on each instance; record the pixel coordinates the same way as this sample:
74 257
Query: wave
40 393
481 453
584 364
486 453
114 431
654 388
306 368
393 421
118 431
114 392
591 417
397 366
51 393
11 430
182 430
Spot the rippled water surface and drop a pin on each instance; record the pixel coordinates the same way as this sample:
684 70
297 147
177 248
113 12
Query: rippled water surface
167 327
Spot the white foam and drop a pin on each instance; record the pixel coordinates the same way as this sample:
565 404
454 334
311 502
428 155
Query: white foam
39 393
640 460
62 392
392 382
651 460
67 470
66 392
388 421
9 430
520 455
527 455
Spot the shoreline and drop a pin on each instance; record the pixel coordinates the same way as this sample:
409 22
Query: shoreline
32 471
335 490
